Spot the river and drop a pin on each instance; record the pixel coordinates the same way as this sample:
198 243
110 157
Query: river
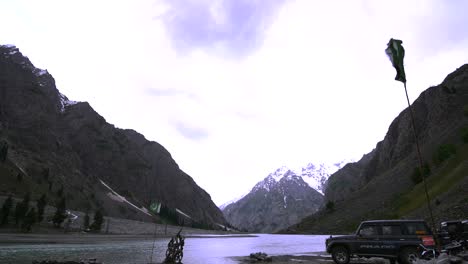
197 250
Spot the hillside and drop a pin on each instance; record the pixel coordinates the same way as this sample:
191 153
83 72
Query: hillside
274 203
64 148
385 184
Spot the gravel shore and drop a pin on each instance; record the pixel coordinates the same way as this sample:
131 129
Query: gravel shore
319 258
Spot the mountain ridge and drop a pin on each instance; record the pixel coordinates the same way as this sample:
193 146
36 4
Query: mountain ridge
386 180
280 199
66 145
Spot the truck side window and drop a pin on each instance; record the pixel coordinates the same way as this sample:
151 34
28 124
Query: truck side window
416 229
368 231
391 230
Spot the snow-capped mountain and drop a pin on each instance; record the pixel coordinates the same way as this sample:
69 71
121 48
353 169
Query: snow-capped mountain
317 175
281 199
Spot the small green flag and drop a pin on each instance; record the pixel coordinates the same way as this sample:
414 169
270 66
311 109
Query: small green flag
155 208
396 53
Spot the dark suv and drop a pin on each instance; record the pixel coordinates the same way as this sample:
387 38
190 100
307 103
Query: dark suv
390 239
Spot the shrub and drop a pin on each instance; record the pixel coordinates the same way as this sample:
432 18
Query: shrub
60 213
464 134
444 152
330 206
416 176
465 110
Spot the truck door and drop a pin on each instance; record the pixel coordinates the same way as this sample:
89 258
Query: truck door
390 239
368 240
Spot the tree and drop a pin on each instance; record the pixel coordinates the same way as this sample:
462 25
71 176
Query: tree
29 220
98 220
60 192
7 205
330 206
86 221
22 208
3 151
60 213
41 203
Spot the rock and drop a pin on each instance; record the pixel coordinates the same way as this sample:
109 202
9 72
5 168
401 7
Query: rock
260 256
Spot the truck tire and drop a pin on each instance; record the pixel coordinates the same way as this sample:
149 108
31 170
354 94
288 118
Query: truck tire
407 255
340 255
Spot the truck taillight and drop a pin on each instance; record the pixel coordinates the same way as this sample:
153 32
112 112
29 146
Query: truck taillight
427 240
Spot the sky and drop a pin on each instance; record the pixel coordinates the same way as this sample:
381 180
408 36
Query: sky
235 89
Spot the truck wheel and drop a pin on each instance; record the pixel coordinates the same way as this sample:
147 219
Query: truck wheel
340 255
408 255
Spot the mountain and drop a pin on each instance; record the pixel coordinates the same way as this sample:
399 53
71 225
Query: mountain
386 183
317 176
66 149
280 200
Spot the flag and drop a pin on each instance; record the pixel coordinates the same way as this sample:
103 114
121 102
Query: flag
155 207
396 53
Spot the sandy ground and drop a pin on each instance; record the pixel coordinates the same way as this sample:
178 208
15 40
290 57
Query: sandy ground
319 258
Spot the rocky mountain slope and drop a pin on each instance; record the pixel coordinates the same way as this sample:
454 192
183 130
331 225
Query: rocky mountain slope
385 183
281 199
58 146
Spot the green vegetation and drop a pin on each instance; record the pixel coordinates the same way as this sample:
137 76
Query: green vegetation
7 205
169 215
444 152
464 134
22 208
41 203
465 110
97 221
29 220
60 213
86 221
330 206
3 151
445 178
417 177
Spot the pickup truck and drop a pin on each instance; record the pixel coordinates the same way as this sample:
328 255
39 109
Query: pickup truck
391 239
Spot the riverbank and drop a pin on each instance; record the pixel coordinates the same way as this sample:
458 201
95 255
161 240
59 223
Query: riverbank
315 258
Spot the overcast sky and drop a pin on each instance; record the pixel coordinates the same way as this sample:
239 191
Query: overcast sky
237 88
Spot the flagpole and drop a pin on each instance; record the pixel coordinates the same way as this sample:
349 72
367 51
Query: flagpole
421 165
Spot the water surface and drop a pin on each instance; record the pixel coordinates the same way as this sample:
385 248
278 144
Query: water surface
197 250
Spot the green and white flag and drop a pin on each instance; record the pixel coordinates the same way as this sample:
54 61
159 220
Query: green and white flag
155 207
396 53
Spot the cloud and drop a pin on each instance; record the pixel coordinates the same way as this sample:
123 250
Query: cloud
229 27
168 92
190 132
235 89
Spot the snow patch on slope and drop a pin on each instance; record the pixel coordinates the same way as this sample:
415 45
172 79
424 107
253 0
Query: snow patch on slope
119 198
182 213
238 198
64 102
